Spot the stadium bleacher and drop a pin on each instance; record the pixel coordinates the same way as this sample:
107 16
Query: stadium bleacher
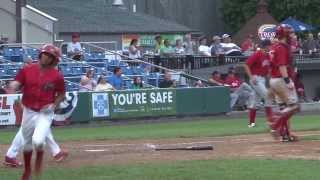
73 70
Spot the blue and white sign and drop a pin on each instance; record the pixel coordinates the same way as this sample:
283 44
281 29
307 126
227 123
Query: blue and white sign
267 31
100 105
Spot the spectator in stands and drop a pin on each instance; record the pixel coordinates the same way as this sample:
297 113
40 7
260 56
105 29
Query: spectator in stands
87 82
137 83
189 50
103 85
179 49
159 44
215 78
248 45
295 44
216 47
300 88
166 49
188 45
204 49
318 41
74 49
116 79
134 50
167 82
3 87
310 45
3 40
229 48
199 84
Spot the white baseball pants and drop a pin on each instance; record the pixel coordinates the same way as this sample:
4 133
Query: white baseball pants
17 145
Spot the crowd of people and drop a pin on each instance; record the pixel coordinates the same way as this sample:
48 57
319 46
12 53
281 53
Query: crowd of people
218 46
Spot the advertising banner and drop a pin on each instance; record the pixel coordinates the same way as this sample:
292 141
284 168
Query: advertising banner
10 109
126 40
267 31
100 105
142 103
147 41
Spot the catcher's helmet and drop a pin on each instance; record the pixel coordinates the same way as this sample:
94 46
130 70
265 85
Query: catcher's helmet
283 31
51 50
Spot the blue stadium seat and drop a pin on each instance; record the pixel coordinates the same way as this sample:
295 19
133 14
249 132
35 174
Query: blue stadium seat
101 70
77 71
67 71
128 84
32 53
12 72
127 71
8 51
137 70
3 73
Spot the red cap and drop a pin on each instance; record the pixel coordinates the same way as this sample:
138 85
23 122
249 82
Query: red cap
284 31
75 35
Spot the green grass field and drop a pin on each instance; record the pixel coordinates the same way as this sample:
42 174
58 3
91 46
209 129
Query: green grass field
189 170
193 170
199 128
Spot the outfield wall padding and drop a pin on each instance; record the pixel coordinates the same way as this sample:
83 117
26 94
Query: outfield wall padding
159 102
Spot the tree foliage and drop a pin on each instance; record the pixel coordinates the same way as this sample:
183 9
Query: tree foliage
237 12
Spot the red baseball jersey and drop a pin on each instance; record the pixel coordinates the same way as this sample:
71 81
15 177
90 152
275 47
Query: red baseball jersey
280 55
233 82
39 86
219 80
259 63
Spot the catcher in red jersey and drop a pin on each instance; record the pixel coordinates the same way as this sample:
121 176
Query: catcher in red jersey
43 89
281 82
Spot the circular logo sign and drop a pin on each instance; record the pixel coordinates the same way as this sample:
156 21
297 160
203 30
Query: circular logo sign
267 31
66 108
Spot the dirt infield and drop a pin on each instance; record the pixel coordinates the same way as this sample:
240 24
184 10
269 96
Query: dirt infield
92 153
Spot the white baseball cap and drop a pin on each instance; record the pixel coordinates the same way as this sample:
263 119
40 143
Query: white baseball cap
225 36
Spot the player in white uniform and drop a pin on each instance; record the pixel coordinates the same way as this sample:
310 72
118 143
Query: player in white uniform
43 90
17 146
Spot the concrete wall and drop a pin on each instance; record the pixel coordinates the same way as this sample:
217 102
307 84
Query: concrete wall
8 20
203 15
35 26
310 78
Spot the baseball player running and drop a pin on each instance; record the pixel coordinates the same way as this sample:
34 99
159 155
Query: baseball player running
257 68
239 89
42 90
17 146
281 83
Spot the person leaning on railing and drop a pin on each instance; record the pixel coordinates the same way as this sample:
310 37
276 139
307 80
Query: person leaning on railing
204 49
179 49
216 47
230 48
74 49
134 50
166 49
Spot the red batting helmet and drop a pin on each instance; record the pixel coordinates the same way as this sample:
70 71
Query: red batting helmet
283 31
51 50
